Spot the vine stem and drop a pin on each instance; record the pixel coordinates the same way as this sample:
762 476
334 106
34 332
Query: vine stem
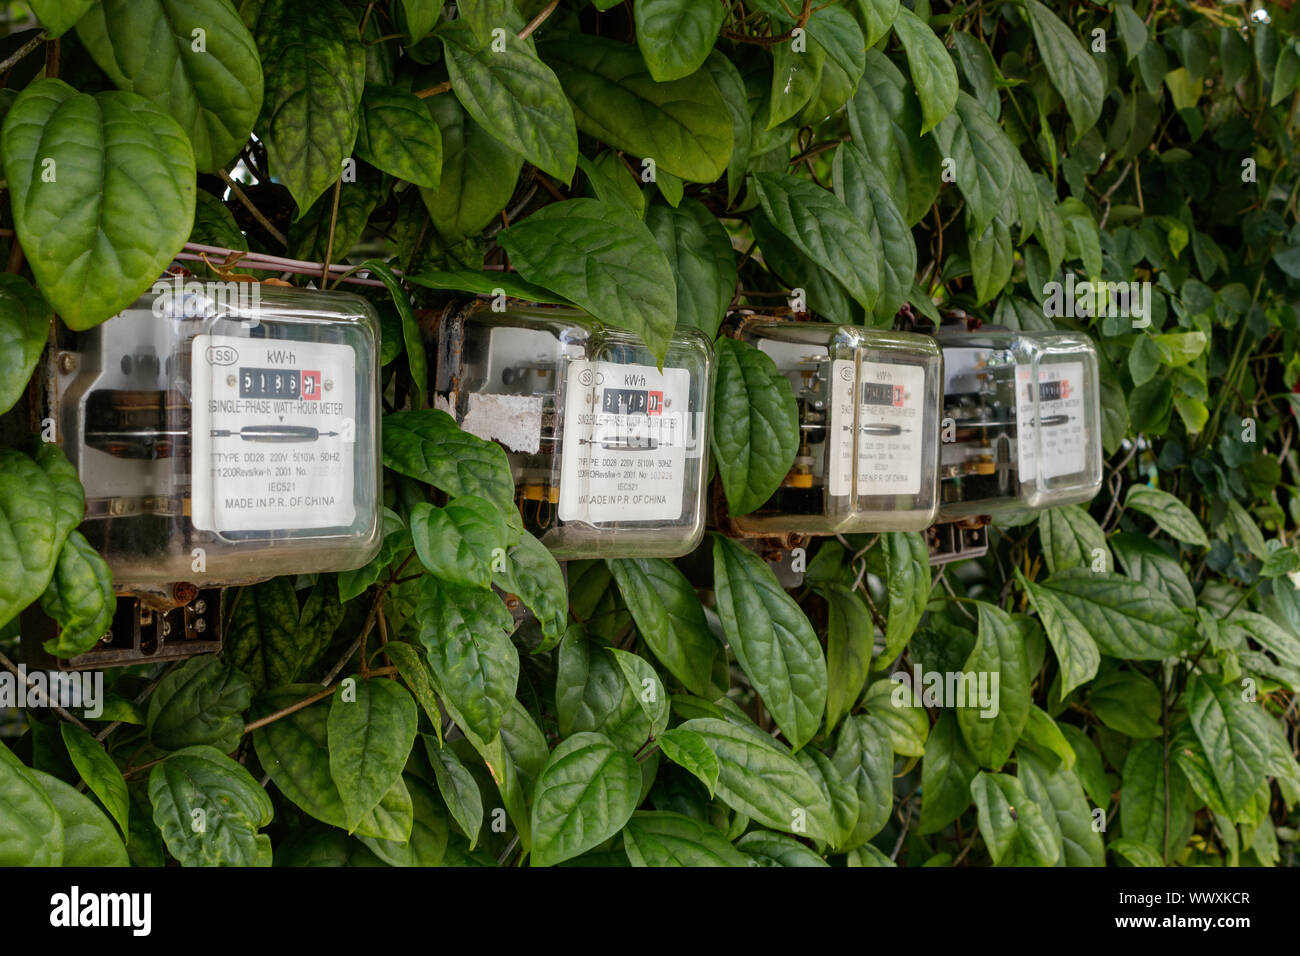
306 702
66 715
22 51
248 204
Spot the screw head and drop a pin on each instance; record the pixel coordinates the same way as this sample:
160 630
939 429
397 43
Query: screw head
67 362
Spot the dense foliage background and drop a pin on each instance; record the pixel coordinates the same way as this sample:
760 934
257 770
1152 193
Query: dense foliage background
656 162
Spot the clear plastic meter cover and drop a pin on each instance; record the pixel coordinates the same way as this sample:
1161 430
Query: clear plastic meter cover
1026 422
608 452
868 464
226 432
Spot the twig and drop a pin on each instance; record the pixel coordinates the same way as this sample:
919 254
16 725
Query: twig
9 665
329 243
538 20
22 51
248 204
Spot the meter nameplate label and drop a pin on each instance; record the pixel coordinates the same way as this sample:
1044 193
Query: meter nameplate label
1059 425
625 443
273 434
889 422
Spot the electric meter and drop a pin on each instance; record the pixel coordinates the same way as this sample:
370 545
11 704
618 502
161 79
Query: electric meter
1022 421
224 433
608 452
868 428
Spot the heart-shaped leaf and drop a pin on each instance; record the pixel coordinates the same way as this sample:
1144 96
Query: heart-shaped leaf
102 190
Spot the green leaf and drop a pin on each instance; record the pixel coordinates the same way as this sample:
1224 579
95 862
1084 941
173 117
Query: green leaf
199 702
668 617
41 501
1135 852
796 78
31 828
755 434
946 775
24 327
1044 733
683 125
315 76
460 543
1142 806
850 637
1127 702
427 844
885 119
1071 538
663 838
1071 67
1132 31
210 809
992 257
866 193
59 16
933 72
907 579
1069 633
584 795
992 727
514 96
429 446
843 796
1013 827
399 136
981 164
194 59
823 229
759 778
898 709
732 88
592 693
414 670
703 262
646 688
263 638
458 788
1229 735
466 632
417 361
485 283
1125 618
80 598
1088 765
534 576
102 193
610 180
774 643
97 769
690 751
675 36
370 732
1057 791
865 761
605 260
1171 515
88 837
293 750
479 173
773 849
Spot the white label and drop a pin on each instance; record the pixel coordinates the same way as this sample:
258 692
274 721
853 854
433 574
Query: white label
274 434
1059 423
625 443
890 400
